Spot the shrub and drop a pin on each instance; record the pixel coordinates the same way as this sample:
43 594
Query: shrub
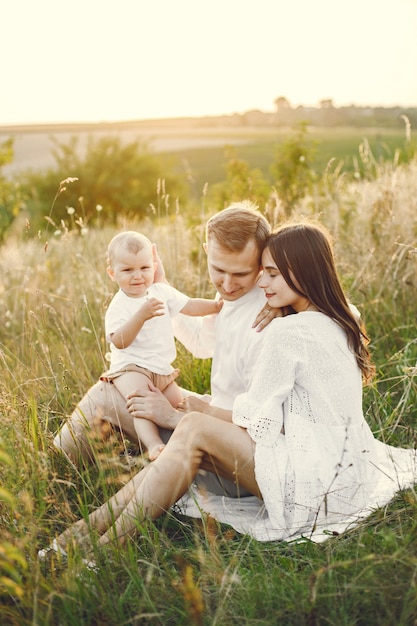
115 177
10 194
292 169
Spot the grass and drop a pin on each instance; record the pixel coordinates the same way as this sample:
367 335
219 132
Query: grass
177 570
339 146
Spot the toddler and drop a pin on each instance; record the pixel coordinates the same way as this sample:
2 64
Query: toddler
138 327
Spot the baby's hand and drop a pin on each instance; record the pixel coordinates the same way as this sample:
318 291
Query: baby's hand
152 308
191 403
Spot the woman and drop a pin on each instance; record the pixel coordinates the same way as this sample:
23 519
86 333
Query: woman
297 440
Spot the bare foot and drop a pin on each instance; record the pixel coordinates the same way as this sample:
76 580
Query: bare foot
154 452
77 533
75 536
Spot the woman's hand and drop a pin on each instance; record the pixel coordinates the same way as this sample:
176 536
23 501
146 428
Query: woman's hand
192 403
265 317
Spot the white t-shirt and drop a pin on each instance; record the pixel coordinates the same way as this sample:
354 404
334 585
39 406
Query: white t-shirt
227 337
154 346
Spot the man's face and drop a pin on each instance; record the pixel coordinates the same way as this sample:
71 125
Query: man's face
232 273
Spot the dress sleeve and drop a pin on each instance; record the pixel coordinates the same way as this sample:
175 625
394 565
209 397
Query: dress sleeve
261 409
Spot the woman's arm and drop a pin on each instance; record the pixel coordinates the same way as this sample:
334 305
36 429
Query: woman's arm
192 403
261 409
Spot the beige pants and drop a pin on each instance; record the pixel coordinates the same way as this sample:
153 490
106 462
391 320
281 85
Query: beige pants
104 402
160 381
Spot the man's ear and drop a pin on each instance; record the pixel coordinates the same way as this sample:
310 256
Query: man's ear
205 248
110 272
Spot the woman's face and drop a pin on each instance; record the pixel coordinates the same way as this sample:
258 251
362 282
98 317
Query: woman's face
278 293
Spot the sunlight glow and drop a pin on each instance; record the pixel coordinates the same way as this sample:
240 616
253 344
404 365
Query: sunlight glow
105 61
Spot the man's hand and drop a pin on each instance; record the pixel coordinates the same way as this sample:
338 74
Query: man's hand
151 404
265 317
159 276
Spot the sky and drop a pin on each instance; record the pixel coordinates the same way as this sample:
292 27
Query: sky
110 60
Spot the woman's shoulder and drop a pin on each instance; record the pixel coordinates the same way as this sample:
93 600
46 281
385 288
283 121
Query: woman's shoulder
300 320
306 323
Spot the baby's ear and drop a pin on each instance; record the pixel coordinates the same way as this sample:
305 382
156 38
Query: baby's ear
110 272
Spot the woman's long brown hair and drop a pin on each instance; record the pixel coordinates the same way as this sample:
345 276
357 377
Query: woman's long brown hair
303 254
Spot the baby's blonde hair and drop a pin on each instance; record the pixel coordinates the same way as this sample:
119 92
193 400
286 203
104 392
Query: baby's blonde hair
129 240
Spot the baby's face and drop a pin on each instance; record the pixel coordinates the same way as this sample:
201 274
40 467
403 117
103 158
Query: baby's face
133 272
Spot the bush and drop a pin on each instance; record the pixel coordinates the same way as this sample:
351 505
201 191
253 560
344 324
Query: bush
242 183
292 168
115 177
10 195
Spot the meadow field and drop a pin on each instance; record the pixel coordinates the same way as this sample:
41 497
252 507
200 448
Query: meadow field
337 146
199 148
180 571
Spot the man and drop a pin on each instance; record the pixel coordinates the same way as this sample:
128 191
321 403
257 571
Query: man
235 238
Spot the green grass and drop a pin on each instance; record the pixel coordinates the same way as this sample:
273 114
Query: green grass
340 146
181 571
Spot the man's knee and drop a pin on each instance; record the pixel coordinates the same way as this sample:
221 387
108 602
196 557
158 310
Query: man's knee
99 412
191 428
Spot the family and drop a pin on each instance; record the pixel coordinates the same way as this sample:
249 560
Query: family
281 450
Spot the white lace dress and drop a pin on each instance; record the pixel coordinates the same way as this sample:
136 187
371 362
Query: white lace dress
328 471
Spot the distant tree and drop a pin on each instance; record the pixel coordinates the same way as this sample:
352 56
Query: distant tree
114 177
282 104
326 103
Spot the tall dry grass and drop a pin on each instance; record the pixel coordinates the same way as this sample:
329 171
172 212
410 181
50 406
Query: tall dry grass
177 571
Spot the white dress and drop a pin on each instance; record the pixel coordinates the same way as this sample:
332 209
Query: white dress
327 471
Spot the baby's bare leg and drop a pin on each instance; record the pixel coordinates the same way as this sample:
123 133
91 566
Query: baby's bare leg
147 432
173 394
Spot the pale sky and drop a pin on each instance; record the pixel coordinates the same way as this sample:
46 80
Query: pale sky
106 60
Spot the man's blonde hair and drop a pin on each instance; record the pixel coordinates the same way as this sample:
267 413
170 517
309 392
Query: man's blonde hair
233 227
128 240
